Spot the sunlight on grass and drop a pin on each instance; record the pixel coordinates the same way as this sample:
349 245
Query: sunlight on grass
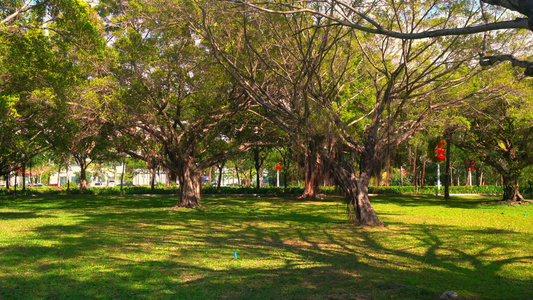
136 247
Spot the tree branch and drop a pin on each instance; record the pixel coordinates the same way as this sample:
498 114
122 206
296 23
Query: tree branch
518 23
491 60
15 14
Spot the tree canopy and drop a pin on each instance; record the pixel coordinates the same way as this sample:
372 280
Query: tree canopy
348 90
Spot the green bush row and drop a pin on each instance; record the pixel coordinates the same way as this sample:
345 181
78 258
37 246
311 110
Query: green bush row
488 189
50 190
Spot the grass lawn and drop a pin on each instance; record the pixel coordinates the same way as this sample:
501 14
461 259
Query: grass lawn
135 247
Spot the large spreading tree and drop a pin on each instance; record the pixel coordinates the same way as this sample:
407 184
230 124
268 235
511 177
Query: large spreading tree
350 98
172 92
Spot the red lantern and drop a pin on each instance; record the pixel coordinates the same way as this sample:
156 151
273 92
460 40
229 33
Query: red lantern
470 165
439 151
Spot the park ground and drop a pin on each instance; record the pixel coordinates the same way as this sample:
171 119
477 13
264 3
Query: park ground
136 247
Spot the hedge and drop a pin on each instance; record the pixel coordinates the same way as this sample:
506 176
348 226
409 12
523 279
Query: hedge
226 190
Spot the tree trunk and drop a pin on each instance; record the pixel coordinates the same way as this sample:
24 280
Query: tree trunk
6 177
367 215
24 178
237 172
415 159
360 210
152 178
387 167
172 177
219 181
68 176
190 188
423 179
312 172
83 175
451 176
122 178
258 163
511 190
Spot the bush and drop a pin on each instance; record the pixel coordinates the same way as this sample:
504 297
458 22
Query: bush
232 190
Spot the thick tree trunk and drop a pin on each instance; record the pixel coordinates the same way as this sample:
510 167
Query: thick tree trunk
511 191
152 178
367 215
312 173
360 210
83 176
82 163
190 188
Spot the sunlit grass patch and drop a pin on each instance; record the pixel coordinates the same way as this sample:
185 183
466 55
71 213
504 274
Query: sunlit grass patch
262 248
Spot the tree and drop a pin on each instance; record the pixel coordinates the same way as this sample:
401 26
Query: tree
172 92
306 81
500 129
45 51
288 71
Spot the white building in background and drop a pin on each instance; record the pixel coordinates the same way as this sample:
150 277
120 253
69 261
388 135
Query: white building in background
142 177
111 177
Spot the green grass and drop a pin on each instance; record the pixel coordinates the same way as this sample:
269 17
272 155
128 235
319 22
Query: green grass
133 247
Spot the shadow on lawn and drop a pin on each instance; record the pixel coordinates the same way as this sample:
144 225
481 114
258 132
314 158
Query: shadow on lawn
21 215
119 255
429 200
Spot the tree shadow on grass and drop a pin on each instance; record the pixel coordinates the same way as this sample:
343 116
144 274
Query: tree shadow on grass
466 202
286 254
21 215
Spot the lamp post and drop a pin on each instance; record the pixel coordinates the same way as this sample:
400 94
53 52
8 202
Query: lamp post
470 166
401 175
439 154
278 167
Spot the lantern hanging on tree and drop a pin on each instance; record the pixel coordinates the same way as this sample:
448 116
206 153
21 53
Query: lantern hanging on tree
439 151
